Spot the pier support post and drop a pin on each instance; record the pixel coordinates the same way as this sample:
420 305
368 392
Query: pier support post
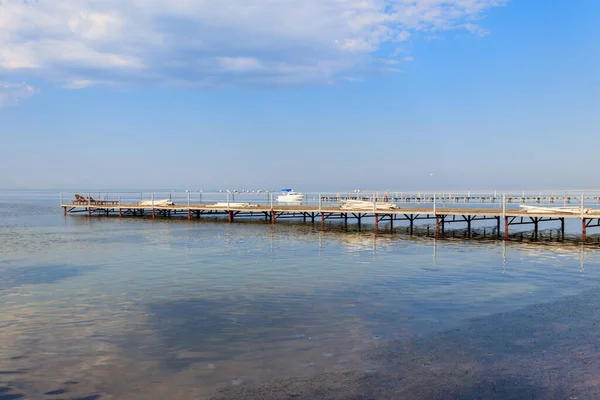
437 226
346 221
505 218
498 227
120 211
583 229
189 204
320 204
65 211
391 223
272 217
562 228
322 221
230 216
376 223
412 223
468 226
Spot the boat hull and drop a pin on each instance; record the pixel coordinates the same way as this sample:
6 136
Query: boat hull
290 198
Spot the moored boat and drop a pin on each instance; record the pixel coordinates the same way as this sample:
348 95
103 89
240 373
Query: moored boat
290 196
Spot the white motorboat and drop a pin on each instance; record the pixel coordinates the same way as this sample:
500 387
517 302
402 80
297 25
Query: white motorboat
290 196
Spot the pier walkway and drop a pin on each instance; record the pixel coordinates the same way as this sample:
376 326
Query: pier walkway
503 209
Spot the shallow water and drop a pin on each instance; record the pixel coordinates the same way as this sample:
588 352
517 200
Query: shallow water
135 308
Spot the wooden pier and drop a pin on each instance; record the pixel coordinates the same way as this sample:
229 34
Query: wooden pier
502 210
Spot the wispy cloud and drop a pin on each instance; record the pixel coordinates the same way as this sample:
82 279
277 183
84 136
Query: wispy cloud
82 43
352 79
388 61
14 93
390 70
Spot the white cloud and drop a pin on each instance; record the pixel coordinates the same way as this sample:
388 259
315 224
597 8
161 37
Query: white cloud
404 35
216 42
475 29
13 93
240 64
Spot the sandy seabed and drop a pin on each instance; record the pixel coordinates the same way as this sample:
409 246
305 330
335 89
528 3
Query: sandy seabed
546 351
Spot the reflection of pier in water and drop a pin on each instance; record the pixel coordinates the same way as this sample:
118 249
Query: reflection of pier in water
374 243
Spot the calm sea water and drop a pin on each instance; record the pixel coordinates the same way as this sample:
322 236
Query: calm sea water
135 308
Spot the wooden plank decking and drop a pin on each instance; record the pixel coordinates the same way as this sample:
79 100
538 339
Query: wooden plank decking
439 211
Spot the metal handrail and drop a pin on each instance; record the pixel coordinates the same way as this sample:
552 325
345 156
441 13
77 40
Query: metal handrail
439 199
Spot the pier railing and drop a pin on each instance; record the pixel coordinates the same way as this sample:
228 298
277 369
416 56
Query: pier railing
446 199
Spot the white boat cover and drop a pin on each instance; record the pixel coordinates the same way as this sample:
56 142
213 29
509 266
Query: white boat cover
539 209
159 203
230 204
367 205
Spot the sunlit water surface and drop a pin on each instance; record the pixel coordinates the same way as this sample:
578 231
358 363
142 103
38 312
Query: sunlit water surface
135 308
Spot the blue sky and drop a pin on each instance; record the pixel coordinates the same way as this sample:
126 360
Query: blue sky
313 94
